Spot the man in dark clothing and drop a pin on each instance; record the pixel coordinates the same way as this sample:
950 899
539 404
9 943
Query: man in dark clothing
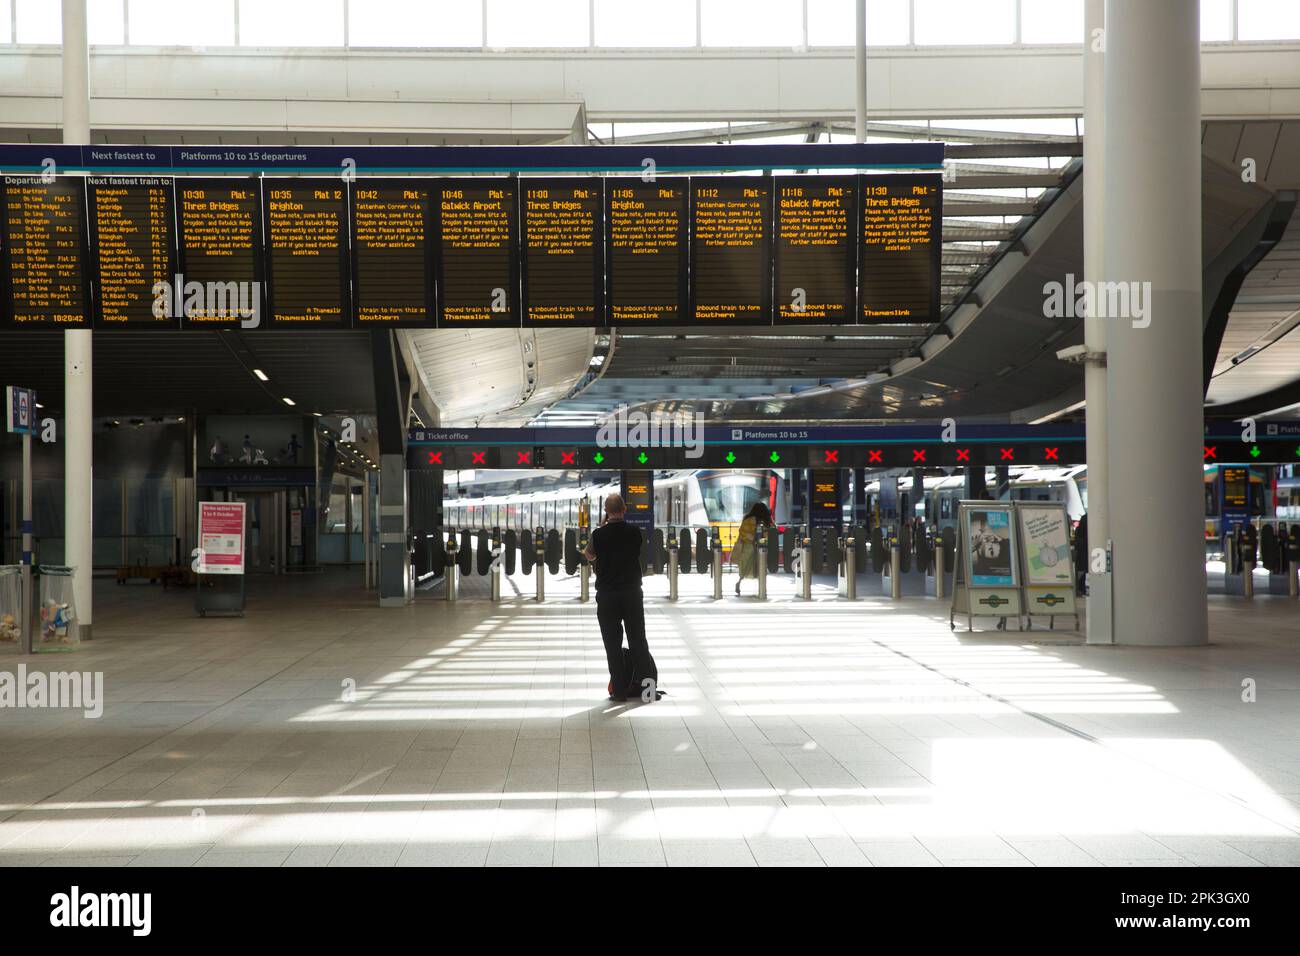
615 550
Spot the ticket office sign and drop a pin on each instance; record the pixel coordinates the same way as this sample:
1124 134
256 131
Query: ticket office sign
221 537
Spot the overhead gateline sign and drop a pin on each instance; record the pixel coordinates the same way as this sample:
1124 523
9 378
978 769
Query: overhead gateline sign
234 242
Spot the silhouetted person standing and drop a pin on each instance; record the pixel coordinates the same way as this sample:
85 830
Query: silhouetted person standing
615 551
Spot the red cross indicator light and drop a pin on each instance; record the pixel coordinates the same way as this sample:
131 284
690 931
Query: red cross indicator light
918 454
874 455
523 458
1211 452
568 458
478 458
435 458
1051 454
832 456
963 454
1008 454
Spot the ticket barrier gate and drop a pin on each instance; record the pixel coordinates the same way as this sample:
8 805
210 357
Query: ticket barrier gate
494 569
804 567
848 570
452 570
715 552
672 568
584 568
760 565
1240 552
539 556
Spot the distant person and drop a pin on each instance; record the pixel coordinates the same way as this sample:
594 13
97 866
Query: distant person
219 453
615 551
1081 555
745 554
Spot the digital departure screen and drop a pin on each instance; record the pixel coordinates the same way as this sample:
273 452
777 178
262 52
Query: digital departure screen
646 251
42 237
899 248
476 254
220 251
391 274
1236 487
731 245
563 244
824 497
815 249
133 251
307 252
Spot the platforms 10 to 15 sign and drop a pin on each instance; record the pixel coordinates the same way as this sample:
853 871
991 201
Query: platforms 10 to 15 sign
163 252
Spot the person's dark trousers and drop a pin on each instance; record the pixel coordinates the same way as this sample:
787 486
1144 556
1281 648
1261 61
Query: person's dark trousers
617 612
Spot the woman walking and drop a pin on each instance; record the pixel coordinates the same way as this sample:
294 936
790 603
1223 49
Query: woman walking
745 554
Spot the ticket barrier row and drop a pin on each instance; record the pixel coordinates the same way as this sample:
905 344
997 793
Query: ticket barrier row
1277 549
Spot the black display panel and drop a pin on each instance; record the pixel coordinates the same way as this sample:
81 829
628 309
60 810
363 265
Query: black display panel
308 263
392 276
562 240
476 257
899 248
731 250
815 264
133 252
43 242
220 250
646 251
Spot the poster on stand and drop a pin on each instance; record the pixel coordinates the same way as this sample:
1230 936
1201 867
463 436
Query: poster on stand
990 548
1045 532
221 537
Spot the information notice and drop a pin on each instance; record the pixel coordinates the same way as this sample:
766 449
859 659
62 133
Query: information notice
731 240
646 248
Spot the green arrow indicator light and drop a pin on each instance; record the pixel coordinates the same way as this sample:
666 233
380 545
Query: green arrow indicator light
599 457
775 457
1297 451
731 458
643 458
1254 451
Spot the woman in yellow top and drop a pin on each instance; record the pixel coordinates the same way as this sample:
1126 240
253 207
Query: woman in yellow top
745 553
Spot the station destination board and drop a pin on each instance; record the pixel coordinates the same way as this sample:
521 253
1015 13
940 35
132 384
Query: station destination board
476 255
308 280
562 270
646 251
731 250
898 248
391 275
815 249
220 251
42 238
132 251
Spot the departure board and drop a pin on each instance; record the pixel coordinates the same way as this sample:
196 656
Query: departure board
133 252
391 273
899 248
561 238
308 281
43 240
476 256
731 243
646 251
824 497
220 250
815 262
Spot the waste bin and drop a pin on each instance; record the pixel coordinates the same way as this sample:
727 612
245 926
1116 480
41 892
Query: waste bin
58 629
11 602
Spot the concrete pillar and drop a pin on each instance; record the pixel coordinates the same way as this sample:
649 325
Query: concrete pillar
977 488
78 481
396 586
1100 629
1152 243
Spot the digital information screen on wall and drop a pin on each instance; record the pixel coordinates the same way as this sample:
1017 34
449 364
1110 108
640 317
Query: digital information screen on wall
898 248
731 250
646 251
824 497
563 244
477 253
307 252
133 252
391 273
42 239
220 251
815 245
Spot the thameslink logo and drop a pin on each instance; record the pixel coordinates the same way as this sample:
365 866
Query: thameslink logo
641 430
74 909
209 301
1112 300
64 690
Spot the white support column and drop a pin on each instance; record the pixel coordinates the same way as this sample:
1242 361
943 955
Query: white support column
1152 230
1100 628
78 483
860 64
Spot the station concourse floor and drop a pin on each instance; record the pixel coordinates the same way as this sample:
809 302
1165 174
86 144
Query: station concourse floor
794 733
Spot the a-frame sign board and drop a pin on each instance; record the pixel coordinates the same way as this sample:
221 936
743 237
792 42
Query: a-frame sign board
1046 561
986 580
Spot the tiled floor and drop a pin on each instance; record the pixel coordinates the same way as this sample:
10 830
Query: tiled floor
320 730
